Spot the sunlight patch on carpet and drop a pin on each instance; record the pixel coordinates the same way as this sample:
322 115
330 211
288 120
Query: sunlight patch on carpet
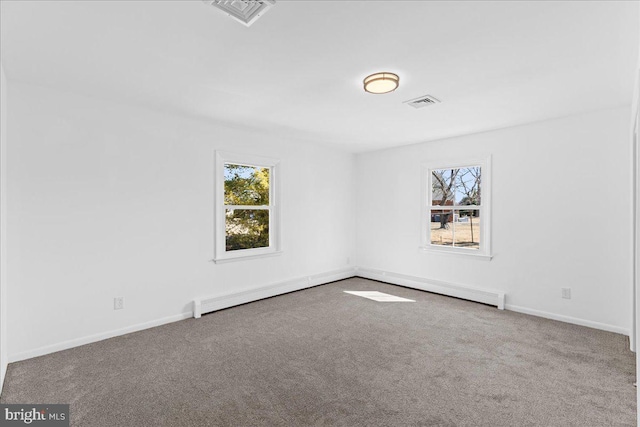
379 296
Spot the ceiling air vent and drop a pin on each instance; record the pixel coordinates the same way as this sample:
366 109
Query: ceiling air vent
423 101
245 11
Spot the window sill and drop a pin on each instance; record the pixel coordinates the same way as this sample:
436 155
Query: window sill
245 257
465 254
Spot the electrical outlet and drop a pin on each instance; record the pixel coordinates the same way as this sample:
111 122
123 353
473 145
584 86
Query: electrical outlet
566 293
348 260
118 303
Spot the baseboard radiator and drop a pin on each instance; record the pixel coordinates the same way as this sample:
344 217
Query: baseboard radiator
208 304
485 296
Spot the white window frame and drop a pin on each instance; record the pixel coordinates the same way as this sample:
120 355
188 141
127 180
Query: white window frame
221 254
484 251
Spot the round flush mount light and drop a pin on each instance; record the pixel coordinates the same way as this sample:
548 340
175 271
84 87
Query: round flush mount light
381 83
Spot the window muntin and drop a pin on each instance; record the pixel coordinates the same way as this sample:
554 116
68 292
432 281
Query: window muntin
246 212
455 218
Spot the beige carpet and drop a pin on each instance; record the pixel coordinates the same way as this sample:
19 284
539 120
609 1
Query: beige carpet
321 357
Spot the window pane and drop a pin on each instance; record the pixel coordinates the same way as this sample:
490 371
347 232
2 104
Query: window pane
246 185
246 228
443 187
467 228
467 190
441 227
459 187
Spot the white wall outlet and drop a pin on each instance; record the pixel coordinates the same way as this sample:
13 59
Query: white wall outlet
118 303
566 293
348 260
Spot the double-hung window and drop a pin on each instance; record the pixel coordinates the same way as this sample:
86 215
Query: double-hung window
247 214
456 211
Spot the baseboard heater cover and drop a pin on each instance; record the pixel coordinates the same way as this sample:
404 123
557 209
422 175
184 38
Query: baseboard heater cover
485 296
208 304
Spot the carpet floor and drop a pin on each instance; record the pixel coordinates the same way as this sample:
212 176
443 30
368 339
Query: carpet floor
321 357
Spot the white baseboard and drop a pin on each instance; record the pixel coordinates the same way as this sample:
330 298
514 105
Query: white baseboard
331 276
229 300
486 296
568 319
208 304
65 345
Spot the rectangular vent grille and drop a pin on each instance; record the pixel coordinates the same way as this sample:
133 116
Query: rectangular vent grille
244 11
423 101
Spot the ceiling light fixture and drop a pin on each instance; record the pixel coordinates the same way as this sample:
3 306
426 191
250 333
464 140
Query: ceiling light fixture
381 83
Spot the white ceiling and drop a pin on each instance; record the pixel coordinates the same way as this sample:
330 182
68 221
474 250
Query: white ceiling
298 70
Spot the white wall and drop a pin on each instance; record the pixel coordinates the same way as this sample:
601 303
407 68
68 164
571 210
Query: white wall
110 200
561 216
3 226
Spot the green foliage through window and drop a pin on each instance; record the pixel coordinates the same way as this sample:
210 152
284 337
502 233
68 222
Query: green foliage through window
246 185
246 188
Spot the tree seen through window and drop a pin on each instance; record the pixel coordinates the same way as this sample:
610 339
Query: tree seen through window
455 207
246 199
